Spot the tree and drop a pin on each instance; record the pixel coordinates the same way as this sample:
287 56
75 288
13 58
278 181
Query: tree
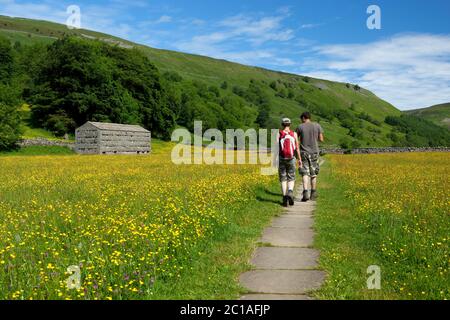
82 80
9 126
7 61
10 131
419 132
263 116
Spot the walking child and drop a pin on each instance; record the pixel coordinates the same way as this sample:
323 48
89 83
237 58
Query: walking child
289 150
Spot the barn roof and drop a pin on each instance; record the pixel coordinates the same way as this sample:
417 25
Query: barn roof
117 127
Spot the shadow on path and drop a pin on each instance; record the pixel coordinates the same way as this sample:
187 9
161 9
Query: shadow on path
269 198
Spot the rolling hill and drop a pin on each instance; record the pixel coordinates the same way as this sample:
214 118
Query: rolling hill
290 94
438 114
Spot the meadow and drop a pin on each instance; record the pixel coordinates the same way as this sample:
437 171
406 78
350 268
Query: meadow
386 210
137 227
144 228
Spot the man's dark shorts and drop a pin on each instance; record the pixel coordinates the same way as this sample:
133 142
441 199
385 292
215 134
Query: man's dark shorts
310 165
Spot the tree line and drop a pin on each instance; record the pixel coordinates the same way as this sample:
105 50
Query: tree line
74 80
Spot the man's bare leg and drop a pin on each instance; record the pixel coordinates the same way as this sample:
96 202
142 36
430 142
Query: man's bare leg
313 183
306 181
313 188
290 194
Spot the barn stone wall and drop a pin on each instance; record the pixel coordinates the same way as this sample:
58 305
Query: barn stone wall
124 142
87 141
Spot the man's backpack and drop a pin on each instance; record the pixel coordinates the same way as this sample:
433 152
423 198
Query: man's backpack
287 144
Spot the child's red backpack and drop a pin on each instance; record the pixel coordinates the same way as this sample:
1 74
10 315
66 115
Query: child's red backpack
287 144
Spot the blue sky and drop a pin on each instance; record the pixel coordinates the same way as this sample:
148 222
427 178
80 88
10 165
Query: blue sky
407 62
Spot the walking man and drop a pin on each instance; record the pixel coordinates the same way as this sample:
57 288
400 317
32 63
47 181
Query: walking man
288 151
310 134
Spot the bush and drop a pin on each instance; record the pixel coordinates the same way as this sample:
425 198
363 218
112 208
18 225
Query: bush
365 116
355 144
274 85
291 94
345 143
172 76
214 90
224 85
239 91
282 93
60 124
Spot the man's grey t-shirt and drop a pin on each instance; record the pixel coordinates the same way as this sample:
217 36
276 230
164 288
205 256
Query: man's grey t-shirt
309 136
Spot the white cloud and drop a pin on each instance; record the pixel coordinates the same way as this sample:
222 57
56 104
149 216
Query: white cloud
408 70
43 11
244 39
310 25
133 3
197 22
257 30
93 17
164 19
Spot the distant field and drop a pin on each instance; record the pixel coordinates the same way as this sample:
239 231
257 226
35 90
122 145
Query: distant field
139 227
385 210
38 151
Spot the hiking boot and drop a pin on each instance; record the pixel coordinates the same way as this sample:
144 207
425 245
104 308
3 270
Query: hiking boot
314 195
291 197
305 196
285 201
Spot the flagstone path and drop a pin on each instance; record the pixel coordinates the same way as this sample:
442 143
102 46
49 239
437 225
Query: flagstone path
285 266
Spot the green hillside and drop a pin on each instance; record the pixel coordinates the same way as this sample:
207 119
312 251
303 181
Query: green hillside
438 114
348 113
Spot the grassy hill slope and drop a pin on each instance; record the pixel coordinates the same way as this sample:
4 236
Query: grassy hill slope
290 94
438 114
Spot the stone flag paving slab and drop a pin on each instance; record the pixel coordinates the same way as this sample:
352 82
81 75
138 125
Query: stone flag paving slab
285 270
282 281
300 222
285 258
299 212
288 237
274 297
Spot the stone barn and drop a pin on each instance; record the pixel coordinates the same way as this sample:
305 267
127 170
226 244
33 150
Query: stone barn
112 138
